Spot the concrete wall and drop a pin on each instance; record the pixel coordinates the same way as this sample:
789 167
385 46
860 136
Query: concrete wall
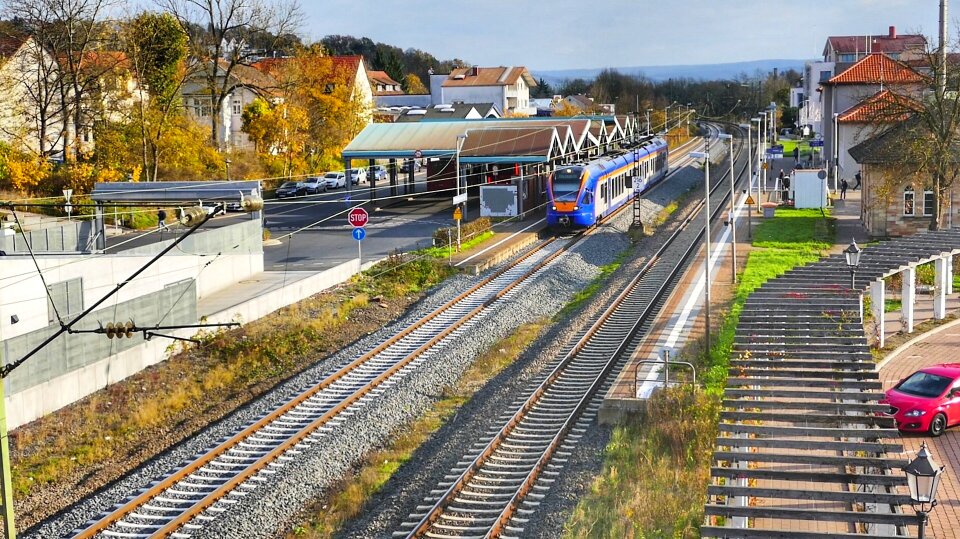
26 404
77 236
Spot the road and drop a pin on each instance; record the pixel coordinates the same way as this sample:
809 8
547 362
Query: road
313 233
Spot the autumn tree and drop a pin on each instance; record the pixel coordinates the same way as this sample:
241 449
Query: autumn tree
413 85
156 47
219 31
72 32
279 132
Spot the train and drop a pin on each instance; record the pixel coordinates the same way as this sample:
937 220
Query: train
581 194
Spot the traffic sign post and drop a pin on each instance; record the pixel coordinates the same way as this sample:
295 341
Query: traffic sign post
358 217
358 234
67 193
457 216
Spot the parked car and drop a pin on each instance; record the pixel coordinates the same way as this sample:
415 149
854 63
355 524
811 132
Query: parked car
290 189
358 175
314 184
377 172
335 179
927 400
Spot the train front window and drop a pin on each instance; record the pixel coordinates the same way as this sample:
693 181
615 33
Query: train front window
566 185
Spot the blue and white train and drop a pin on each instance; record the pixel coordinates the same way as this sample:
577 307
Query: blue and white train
582 194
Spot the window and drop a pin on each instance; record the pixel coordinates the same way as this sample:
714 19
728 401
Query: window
908 199
68 297
848 58
927 203
237 106
825 75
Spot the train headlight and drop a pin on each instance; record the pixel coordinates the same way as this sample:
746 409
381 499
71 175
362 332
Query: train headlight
554 208
576 208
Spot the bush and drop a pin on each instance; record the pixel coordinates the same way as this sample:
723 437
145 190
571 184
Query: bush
443 237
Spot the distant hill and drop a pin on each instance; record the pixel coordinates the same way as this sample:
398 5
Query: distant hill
662 73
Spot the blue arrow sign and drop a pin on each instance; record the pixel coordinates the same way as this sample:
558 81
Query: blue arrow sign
816 143
359 234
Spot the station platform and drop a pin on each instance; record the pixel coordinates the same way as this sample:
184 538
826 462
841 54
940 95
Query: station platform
510 238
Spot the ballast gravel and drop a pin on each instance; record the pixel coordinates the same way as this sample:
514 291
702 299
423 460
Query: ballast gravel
274 506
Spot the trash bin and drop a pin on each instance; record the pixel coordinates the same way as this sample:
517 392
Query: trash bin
768 209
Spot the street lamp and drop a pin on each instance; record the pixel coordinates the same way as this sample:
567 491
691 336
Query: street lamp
852 254
648 120
762 151
226 166
731 220
836 151
923 478
705 155
666 117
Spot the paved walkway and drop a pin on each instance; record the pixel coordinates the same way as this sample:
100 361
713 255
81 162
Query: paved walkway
941 345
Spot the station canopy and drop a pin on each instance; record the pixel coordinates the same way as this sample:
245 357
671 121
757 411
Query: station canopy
527 140
172 191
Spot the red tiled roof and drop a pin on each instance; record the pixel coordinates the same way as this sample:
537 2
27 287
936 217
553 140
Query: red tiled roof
10 45
349 62
382 78
882 107
878 68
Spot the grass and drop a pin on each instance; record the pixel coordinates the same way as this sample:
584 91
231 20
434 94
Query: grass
447 251
229 364
354 492
656 468
591 289
892 305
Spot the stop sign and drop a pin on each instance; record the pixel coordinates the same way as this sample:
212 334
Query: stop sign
358 217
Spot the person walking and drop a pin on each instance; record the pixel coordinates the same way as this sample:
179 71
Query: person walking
162 220
857 177
785 183
843 188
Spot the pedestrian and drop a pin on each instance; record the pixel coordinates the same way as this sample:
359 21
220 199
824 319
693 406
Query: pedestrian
785 196
796 154
843 188
857 177
162 220
780 176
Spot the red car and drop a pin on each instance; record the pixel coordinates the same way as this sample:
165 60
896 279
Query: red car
927 400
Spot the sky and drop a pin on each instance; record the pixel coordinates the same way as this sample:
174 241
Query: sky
574 34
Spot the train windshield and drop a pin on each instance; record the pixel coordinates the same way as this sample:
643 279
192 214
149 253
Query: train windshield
566 184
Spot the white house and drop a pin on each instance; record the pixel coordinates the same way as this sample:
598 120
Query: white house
508 88
31 109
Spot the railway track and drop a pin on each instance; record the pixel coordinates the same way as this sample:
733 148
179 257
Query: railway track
183 500
497 485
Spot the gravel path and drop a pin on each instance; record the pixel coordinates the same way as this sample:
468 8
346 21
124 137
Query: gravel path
271 508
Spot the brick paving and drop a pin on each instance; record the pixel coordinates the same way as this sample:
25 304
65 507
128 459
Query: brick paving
938 346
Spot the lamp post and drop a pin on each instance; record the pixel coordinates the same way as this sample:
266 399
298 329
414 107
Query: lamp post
748 128
666 117
226 166
648 120
460 141
923 478
852 255
836 151
757 120
762 151
731 220
705 155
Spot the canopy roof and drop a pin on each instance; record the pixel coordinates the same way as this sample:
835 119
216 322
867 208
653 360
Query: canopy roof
172 191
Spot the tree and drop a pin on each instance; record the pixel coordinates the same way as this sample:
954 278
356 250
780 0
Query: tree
543 89
72 32
279 130
413 85
156 46
219 31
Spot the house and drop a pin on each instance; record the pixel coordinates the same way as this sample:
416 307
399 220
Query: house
382 84
891 205
841 52
31 109
244 85
849 97
508 88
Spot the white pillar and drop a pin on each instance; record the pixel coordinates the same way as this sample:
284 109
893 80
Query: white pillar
950 274
877 297
940 275
908 297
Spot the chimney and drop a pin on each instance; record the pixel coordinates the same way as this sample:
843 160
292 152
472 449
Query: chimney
893 32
